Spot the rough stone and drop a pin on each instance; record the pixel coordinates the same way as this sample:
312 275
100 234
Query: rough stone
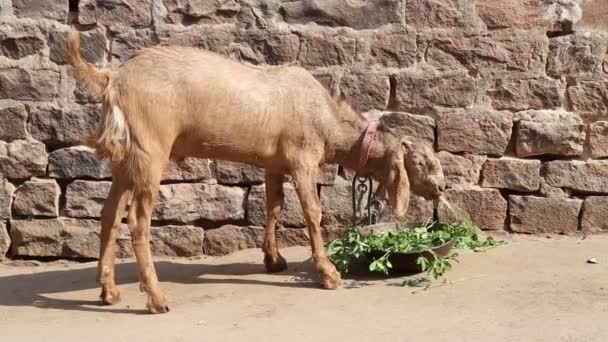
6 9
179 241
188 202
37 197
520 14
21 159
6 198
13 120
478 131
288 237
530 214
135 13
49 9
18 40
589 98
419 210
237 173
85 199
598 139
523 94
188 12
28 85
336 203
77 162
549 132
269 48
442 14
55 237
395 49
461 170
485 207
74 238
5 241
581 176
405 124
291 214
511 173
502 51
93 45
365 91
552 192
327 174
327 50
595 211
128 42
576 55
188 169
63 126
592 16
229 238
364 15
418 92
210 38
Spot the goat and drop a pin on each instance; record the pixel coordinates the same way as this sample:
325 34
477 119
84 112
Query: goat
177 102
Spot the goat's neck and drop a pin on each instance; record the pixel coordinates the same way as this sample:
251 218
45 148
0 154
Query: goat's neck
346 145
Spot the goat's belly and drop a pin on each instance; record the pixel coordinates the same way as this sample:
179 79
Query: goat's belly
243 150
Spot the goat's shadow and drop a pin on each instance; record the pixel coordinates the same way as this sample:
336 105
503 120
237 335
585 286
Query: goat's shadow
32 289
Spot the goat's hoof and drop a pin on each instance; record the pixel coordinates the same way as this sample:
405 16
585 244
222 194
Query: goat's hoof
109 296
157 306
331 281
273 266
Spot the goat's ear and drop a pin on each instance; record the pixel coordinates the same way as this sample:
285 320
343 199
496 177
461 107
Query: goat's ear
407 143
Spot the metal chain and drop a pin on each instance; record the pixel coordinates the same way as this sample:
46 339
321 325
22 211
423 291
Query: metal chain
360 187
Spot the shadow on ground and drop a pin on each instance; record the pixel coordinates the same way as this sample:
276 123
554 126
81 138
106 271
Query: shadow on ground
31 289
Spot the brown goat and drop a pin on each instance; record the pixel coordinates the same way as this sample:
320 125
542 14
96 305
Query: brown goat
173 102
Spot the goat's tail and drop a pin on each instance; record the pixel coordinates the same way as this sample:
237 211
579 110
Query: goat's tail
112 137
95 81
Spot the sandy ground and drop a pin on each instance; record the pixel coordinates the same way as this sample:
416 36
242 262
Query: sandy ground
532 289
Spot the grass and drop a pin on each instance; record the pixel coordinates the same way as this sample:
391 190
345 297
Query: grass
353 244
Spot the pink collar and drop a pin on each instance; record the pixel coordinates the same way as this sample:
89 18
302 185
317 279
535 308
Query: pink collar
366 144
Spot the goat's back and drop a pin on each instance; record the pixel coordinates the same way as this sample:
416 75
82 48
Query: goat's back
214 106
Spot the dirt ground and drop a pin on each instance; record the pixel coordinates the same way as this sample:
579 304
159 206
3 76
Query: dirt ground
532 289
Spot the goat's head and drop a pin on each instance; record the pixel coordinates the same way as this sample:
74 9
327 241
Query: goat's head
409 164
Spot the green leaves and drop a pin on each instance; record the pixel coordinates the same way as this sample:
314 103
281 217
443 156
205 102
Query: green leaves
353 245
466 237
381 265
423 262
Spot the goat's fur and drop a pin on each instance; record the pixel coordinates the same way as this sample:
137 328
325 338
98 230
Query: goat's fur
175 102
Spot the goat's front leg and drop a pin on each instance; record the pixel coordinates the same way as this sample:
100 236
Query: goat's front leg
274 202
306 187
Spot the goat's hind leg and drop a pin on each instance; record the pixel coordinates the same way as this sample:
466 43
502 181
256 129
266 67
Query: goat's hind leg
145 193
273 260
113 209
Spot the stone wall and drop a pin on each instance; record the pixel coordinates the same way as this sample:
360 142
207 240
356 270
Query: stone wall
512 93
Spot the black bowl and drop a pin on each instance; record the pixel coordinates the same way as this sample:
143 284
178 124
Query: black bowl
403 263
